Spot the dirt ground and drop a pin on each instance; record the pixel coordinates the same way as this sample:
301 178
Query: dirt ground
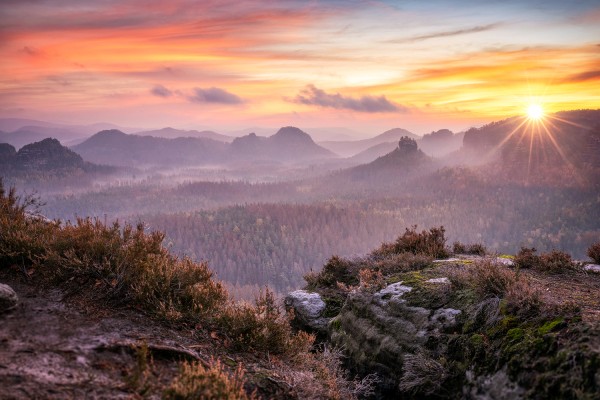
52 349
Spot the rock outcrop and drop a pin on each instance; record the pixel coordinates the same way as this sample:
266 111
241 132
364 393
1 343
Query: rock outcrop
308 308
8 298
469 327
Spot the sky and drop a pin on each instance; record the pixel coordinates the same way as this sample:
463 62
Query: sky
362 65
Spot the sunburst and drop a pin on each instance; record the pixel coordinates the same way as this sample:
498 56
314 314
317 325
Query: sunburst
535 112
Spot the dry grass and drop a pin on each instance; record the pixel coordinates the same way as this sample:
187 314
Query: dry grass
421 375
262 327
431 243
594 252
211 382
323 377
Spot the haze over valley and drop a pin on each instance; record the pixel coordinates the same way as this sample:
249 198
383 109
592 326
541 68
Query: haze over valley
266 210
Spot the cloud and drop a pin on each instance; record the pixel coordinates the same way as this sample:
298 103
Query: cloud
214 95
457 32
161 91
584 76
311 95
30 51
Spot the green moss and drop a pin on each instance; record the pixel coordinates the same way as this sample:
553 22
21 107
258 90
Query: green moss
336 324
414 278
551 326
476 340
515 334
333 305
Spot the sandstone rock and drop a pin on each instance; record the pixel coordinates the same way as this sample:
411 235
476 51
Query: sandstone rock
592 268
445 318
442 281
8 298
308 308
504 261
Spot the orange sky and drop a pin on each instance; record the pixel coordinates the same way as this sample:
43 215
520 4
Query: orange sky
367 66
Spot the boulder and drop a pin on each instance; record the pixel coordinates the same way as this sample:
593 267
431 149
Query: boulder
592 268
8 298
378 331
308 309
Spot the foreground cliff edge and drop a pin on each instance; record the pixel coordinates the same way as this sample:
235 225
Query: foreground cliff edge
108 312
435 323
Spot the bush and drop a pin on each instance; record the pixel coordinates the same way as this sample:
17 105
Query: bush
487 279
431 243
335 270
552 262
196 381
556 262
594 252
262 327
526 258
459 248
476 249
122 265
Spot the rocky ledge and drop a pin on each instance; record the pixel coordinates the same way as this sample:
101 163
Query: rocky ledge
468 327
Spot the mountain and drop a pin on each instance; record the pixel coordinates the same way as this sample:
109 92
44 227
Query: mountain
373 152
288 145
349 148
33 133
19 131
441 142
45 156
172 133
562 148
7 154
114 147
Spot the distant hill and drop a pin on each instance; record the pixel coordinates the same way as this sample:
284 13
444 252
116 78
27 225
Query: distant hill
562 147
289 145
19 131
349 148
114 147
44 158
172 133
441 142
33 133
373 152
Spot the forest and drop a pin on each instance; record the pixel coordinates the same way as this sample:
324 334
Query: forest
268 224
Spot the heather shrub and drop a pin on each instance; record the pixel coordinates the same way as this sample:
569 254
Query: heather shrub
476 249
122 265
211 382
335 270
23 236
526 258
556 262
459 248
594 252
485 277
431 243
371 281
262 327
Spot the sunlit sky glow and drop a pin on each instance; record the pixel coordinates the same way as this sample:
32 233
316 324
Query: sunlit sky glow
364 65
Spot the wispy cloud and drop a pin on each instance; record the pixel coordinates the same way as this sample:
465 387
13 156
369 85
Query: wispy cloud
161 91
214 95
583 76
456 32
312 95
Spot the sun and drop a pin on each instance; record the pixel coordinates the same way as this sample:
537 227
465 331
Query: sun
535 112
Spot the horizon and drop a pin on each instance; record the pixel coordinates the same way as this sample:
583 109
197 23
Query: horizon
366 67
